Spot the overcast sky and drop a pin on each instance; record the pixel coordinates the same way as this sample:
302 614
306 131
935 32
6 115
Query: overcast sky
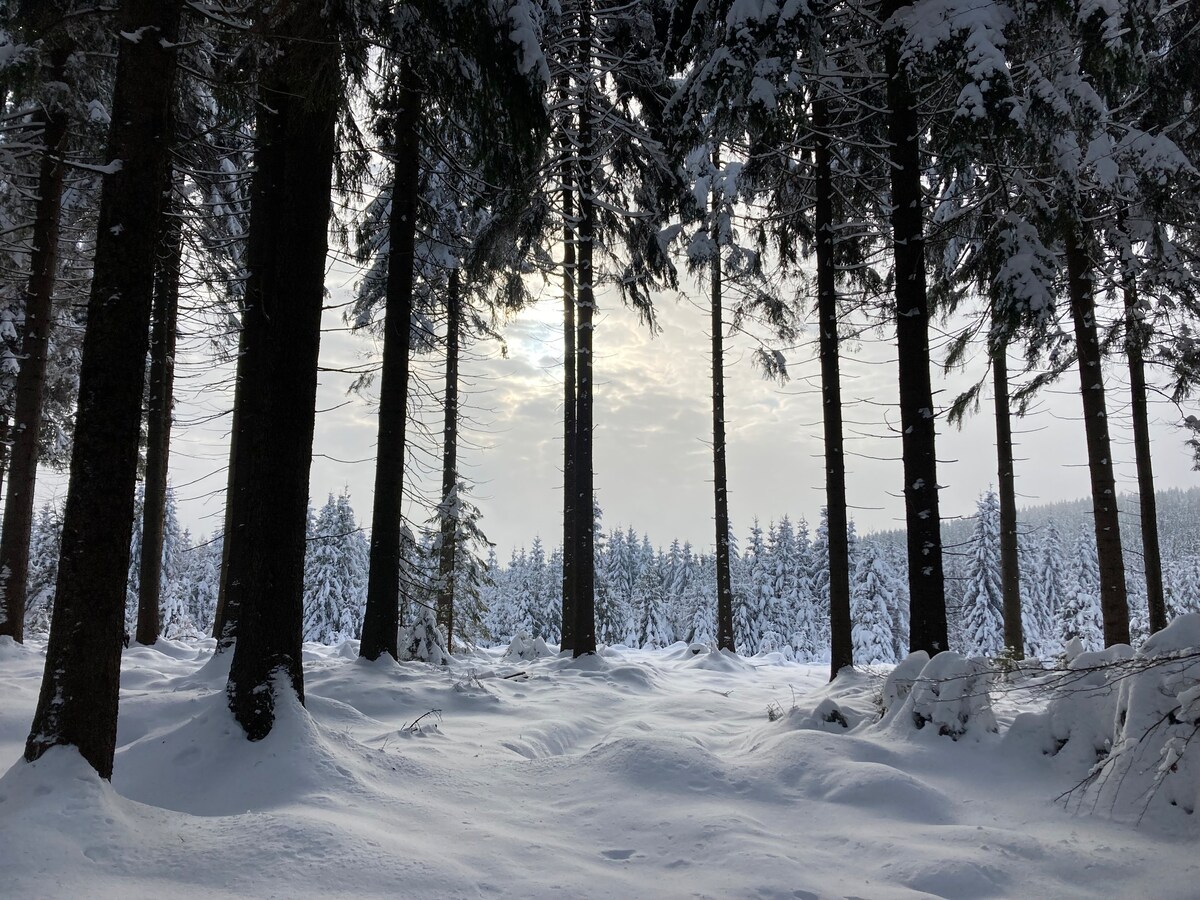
653 427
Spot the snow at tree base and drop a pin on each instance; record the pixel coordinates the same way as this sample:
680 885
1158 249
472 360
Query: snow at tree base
678 772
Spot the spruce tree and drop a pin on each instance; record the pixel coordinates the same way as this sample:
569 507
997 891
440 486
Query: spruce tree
983 599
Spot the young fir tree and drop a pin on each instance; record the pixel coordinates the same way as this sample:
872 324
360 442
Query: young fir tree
982 604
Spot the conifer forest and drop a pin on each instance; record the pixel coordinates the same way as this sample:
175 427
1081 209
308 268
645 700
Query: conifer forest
919 224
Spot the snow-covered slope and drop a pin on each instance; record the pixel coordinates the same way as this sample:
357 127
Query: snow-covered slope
633 774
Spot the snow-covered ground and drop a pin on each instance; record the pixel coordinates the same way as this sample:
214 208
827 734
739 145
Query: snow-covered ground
632 774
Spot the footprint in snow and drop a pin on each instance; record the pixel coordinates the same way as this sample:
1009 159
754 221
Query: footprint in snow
616 854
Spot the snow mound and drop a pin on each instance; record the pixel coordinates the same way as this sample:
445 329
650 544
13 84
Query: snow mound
849 772
10 650
714 660
206 767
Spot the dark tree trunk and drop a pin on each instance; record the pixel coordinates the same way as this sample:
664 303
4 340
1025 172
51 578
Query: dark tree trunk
571 513
31 377
448 548
585 562
4 447
225 620
286 251
841 649
1010 565
382 617
158 428
1114 607
926 584
77 705
1136 338
725 640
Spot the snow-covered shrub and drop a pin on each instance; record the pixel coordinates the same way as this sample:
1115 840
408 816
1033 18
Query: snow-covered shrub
950 694
525 647
1157 716
773 642
899 682
1077 725
423 640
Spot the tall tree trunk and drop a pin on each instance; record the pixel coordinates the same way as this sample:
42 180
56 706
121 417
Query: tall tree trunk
5 424
725 639
1114 606
1136 338
382 617
448 549
841 649
1010 565
225 619
585 561
286 252
31 377
77 705
926 583
571 512
158 428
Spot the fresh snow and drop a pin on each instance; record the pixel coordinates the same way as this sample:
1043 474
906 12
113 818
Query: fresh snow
636 773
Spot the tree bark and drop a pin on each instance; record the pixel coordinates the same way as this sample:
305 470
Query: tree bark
448 549
585 562
286 251
1114 605
382 617
77 705
1010 565
571 513
725 639
841 649
158 428
5 424
225 619
31 377
926 582
1136 338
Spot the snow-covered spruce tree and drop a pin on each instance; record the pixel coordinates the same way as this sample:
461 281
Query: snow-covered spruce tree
200 583
1079 614
983 622
654 626
43 569
805 630
869 601
750 613
78 701
1048 587
335 574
